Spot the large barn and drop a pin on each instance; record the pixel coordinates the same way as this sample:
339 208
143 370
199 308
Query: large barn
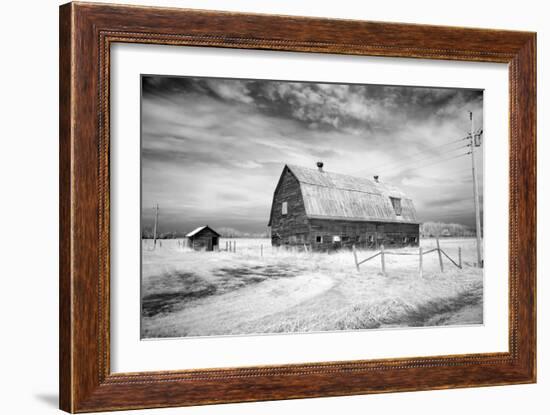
326 211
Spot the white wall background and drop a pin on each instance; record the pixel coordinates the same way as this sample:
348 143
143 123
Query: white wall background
29 192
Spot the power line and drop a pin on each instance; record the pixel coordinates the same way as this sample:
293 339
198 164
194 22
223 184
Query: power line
412 163
410 159
436 162
420 153
465 173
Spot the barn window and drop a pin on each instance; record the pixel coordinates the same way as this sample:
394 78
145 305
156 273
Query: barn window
336 238
396 203
345 238
319 239
285 208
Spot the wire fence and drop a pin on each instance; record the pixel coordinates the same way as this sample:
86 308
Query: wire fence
257 248
382 253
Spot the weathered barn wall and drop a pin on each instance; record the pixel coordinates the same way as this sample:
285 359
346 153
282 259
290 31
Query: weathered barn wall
361 234
294 223
204 240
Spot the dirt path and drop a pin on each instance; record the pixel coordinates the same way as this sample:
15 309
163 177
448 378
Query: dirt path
222 293
468 314
221 314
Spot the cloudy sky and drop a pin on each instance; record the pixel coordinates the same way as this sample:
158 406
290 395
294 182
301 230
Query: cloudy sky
213 149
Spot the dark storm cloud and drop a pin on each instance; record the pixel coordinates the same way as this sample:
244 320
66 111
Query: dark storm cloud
213 149
322 105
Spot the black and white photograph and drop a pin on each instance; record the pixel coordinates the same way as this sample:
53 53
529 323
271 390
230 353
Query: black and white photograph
275 207
281 206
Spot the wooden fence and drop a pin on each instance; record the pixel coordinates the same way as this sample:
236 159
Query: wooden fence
231 246
383 253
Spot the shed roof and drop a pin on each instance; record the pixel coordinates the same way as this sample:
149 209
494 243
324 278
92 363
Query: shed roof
199 230
329 195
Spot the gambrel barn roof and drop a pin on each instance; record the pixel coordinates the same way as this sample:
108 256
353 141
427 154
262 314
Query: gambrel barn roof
336 196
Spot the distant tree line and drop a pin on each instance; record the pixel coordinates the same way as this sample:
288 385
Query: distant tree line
225 232
432 229
148 234
427 230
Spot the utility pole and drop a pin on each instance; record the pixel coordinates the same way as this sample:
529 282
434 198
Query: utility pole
156 225
476 192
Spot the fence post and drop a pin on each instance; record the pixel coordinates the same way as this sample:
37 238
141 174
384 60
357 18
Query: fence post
235 246
459 257
382 259
261 250
355 257
420 265
226 246
439 254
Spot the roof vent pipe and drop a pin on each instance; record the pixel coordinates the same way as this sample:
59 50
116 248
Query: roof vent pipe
320 165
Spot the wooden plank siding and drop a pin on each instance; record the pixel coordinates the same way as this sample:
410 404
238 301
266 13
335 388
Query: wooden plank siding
361 234
292 227
206 239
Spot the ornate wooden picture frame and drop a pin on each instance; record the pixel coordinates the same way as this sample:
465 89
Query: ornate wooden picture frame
87 32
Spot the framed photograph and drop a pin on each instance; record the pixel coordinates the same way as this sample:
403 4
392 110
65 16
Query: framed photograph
258 207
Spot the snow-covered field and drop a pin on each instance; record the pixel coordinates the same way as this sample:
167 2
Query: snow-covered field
260 289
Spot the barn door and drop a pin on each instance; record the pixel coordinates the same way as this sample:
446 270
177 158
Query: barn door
209 244
370 239
380 235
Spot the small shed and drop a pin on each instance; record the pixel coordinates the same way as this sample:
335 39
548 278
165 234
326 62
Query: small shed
203 238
